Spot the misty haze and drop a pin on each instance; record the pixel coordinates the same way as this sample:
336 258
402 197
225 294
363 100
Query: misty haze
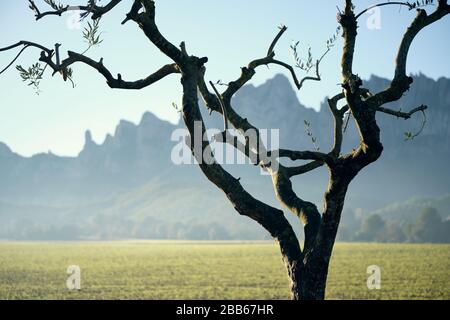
127 187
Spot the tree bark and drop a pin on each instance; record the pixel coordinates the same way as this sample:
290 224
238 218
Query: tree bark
311 278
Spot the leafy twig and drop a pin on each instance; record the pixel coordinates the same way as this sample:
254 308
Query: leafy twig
53 4
32 75
310 134
410 136
308 64
92 35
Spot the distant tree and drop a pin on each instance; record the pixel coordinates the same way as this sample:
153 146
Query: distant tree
429 227
408 231
372 229
446 231
344 234
217 232
145 229
350 224
194 232
394 232
306 266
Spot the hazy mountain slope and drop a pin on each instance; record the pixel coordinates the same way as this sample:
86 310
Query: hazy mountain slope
130 158
409 210
130 180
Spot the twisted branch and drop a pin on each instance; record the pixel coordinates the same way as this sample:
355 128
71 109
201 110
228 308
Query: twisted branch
400 114
97 11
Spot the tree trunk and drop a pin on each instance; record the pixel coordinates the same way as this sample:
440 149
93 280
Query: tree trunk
308 284
310 279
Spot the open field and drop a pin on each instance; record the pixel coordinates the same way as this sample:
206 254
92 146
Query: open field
213 270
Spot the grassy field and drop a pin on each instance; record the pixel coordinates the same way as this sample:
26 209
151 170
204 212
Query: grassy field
213 270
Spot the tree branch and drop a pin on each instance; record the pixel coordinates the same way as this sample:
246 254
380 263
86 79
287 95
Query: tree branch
305 168
249 71
299 83
400 114
15 59
303 155
275 41
306 211
146 21
222 105
407 4
348 22
116 83
29 44
244 148
401 82
133 14
338 115
97 11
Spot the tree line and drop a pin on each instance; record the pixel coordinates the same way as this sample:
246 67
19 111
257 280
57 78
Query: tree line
429 227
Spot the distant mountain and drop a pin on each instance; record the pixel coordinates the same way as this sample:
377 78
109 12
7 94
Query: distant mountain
408 211
406 168
129 181
129 158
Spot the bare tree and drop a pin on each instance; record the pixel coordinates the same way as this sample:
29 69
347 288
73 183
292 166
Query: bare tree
307 266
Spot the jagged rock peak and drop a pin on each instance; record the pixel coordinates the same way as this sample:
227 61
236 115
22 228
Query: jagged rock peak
88 138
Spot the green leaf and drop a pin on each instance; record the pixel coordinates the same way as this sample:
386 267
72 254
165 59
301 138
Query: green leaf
32 75
91 34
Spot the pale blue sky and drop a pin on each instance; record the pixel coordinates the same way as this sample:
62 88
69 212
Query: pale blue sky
230 33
